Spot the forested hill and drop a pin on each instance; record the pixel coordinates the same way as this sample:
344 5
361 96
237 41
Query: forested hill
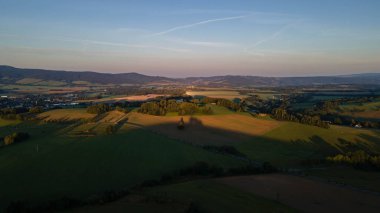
10 74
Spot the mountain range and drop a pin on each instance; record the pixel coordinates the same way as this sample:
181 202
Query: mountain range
11 75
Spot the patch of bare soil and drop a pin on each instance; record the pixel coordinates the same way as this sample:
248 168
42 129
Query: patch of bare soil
305 194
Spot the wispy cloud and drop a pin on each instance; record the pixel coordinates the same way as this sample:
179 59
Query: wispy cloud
202 43
87 42
130 45
197 24
270 37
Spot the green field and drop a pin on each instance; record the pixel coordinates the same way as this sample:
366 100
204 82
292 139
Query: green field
203 195
4 122
292 143
57 162
80 167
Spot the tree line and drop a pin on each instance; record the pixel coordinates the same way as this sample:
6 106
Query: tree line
182 108
358 159
284 115
19 113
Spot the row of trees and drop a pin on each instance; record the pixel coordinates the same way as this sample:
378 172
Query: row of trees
98 109
358 159
164 106
19 113
223 102
284 115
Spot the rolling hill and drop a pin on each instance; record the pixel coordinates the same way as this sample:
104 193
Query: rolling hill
10 75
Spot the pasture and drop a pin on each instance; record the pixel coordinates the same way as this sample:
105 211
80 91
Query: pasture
51 165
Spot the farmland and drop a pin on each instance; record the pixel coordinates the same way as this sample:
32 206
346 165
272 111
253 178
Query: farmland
227 94
72 152
207 195
80 167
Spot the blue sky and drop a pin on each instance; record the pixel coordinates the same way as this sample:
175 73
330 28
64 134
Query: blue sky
193 38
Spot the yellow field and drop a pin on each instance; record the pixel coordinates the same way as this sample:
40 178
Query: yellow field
226 94
139 97
205 129
65 115
367 114
28 81
98 124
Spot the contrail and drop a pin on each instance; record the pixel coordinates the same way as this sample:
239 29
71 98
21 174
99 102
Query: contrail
197 23
271 37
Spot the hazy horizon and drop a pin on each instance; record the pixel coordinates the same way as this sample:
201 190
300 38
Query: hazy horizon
197 38
193 76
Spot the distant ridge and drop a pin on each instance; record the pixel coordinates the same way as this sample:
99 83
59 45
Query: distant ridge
10 75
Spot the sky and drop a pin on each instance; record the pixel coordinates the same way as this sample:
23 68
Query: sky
182 38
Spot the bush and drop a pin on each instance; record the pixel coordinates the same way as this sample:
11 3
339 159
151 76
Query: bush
98 109
36 110
358 159
181 124
187 108
15 137
110 129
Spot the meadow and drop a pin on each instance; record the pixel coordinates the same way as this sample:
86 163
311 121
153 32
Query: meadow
57 165
58 160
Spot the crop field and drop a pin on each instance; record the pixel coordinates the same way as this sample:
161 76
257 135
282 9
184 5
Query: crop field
65 115
212 129
206 195
229 94
139 97
347 176
45 87
291 191
77 158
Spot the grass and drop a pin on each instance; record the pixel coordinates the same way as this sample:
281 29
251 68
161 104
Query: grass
211 196
205 129
349 176
369 110
204 195
291 143
80 167
4 122
220 110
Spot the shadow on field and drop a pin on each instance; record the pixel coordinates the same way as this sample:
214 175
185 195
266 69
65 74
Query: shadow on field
65 167
262 148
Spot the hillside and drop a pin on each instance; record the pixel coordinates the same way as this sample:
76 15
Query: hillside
10 75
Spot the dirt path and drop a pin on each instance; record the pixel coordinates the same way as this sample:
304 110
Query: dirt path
305 194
